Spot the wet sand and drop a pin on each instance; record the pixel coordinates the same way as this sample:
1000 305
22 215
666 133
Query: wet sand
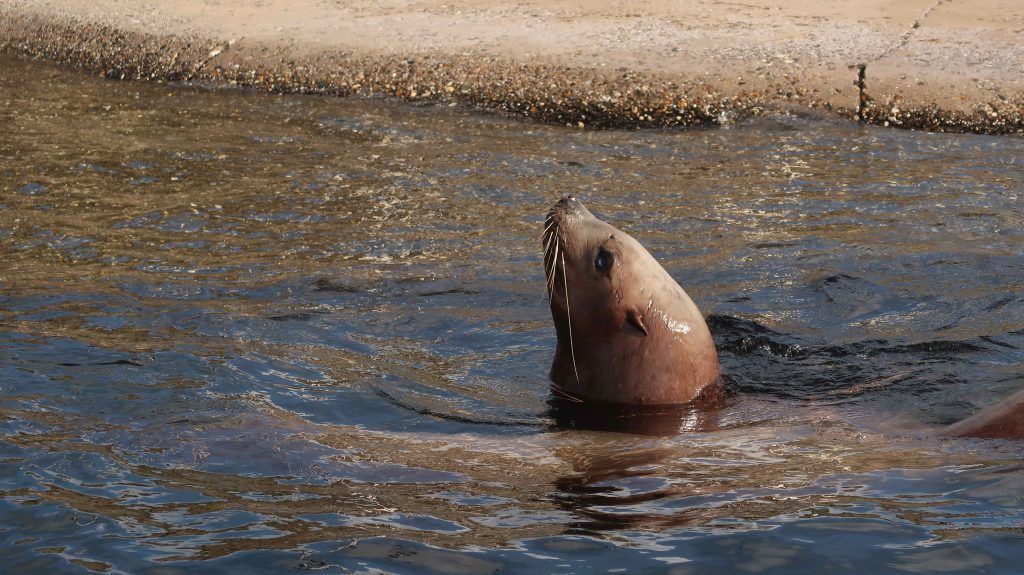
936 65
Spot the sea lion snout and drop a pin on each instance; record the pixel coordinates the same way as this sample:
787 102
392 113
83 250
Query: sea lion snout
569 206
569 212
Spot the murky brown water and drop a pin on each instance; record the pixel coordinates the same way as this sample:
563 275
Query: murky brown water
250 332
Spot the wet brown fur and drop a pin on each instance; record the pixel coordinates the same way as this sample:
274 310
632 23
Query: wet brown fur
1004 420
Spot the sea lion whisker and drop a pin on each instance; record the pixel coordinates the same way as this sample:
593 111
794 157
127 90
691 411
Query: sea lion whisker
548 267
551 222
561 393
547 244
554 266
568 317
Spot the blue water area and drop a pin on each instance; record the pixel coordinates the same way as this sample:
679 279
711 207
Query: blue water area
254 333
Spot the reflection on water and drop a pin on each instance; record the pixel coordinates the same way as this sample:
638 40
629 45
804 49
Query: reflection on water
241 331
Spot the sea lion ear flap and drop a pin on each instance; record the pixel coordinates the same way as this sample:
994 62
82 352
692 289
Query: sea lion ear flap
636 320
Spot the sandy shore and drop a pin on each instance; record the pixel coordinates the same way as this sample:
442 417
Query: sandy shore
939 65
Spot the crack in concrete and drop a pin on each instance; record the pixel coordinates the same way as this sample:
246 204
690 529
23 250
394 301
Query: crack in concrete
864 100
908 34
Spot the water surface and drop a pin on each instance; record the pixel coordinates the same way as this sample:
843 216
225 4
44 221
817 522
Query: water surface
246 332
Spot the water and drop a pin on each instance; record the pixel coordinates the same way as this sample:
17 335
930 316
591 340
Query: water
252 333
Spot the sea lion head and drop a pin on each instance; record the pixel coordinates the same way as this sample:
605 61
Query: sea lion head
627 333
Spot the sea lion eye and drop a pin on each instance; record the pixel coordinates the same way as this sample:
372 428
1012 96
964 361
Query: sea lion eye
603 261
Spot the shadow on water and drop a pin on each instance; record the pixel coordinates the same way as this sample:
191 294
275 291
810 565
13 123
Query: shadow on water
250 332
700 415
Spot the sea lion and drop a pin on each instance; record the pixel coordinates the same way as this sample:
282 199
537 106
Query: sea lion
627 333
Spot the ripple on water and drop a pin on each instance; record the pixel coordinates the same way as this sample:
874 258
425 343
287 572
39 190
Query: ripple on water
264 333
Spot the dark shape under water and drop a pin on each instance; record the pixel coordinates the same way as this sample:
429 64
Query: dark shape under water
699 415
1004 420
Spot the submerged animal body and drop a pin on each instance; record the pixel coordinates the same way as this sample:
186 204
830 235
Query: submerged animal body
1004 420
627 333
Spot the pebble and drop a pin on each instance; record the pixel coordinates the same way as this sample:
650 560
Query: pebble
554 94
